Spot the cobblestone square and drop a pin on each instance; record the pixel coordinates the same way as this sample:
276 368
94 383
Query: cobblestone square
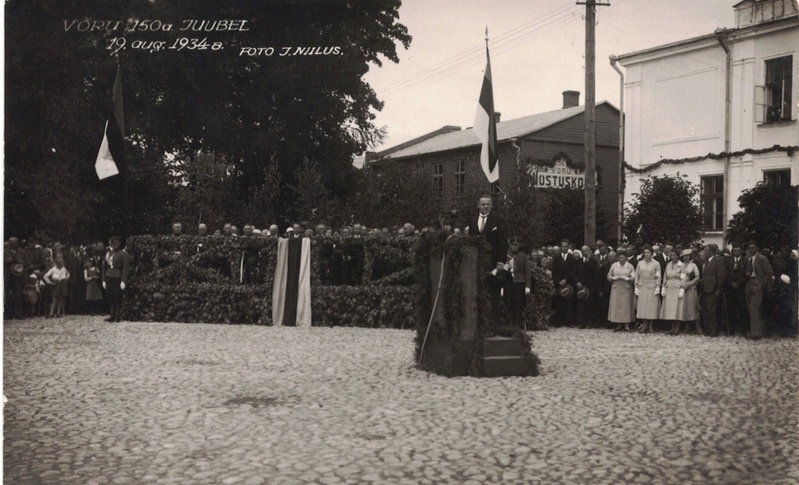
90 402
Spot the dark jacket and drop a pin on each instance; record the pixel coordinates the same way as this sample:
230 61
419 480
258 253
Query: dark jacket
495 232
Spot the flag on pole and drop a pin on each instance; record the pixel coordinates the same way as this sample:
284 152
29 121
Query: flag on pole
485 125
111 157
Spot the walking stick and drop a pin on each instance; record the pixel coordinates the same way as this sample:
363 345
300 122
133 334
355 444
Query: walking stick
724 312
433 311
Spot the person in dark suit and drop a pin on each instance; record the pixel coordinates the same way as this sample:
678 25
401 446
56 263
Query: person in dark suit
492 227
759 277
661 256
735 300
713 279
603 261
586 275
518 281
563 267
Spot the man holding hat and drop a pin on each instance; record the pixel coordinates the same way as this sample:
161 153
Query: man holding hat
518 281
586 277
563 279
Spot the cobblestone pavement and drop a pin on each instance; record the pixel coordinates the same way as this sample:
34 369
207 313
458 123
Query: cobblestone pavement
96 403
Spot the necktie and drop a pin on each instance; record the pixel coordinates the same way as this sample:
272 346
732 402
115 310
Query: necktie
482 222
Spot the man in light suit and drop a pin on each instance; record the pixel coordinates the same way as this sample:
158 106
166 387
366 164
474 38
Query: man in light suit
759 277
713 279
492 227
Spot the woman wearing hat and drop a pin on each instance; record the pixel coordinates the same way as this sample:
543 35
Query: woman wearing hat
621 309
689 278
670 307
647 288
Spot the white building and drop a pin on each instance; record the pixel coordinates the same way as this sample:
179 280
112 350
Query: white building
735 91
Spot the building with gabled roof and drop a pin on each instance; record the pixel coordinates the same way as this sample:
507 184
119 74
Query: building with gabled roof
551 144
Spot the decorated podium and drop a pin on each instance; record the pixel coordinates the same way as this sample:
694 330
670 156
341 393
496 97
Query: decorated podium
454 333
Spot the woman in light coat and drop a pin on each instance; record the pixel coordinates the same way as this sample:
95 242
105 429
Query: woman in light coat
647 289
621 309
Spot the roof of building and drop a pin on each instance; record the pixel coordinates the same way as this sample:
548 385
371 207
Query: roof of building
506 130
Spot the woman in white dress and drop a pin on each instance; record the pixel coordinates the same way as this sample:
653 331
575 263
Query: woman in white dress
671 304
621 309
647 289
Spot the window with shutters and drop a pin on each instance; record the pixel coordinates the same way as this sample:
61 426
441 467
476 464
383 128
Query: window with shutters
778 89
713 202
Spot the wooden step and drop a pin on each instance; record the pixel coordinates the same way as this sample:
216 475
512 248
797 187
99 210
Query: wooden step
503 346
506 366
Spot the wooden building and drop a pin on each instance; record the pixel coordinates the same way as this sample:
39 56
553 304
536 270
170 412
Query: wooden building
550 146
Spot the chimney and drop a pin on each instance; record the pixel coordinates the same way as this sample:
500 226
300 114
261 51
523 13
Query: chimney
571 99
497 116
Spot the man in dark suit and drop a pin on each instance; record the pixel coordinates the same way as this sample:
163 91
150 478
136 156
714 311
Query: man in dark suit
586 275
604 263
759 277
562 275
492 227
661 256
734 297
713 279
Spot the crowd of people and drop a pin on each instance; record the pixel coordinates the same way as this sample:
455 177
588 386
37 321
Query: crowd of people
687 288
55 279
690 288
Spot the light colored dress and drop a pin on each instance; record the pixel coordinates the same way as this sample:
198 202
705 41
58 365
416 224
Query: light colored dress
622 304
689 309
671 306
647 280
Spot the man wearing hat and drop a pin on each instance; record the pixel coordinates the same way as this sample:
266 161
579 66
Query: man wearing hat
116 268
518 281
563 279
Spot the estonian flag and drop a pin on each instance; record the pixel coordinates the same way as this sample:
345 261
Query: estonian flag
291 294
485 126
111 157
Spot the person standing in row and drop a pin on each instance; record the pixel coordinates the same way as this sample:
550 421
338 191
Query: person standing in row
57 277
563 266
759 277
671 304
734 296
518 282
621 310
713 280
647 288
690 277
115 276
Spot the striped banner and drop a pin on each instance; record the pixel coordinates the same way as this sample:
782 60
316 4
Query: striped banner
291 294
485 126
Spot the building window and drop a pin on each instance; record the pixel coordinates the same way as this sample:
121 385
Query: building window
713 202
438 179
777 177
460 178
778 89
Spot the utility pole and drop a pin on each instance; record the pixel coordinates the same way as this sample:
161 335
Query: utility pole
590 120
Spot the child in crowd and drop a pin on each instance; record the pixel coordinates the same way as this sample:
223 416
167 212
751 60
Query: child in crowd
41 305
31 294
94 295
57 278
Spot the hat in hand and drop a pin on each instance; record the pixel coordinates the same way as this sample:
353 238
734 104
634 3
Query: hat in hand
566 291
583 293
17 269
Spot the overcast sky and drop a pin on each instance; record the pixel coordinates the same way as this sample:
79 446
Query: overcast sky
537 52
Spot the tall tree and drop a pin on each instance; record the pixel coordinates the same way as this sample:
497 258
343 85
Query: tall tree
665 209
769 215
304 98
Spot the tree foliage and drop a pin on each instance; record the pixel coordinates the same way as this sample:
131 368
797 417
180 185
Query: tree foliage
666 209
254 112
768 215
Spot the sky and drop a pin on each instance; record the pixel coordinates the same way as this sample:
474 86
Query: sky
537 51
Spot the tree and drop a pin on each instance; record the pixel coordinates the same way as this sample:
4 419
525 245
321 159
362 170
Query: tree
666 209
768 215
254 109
